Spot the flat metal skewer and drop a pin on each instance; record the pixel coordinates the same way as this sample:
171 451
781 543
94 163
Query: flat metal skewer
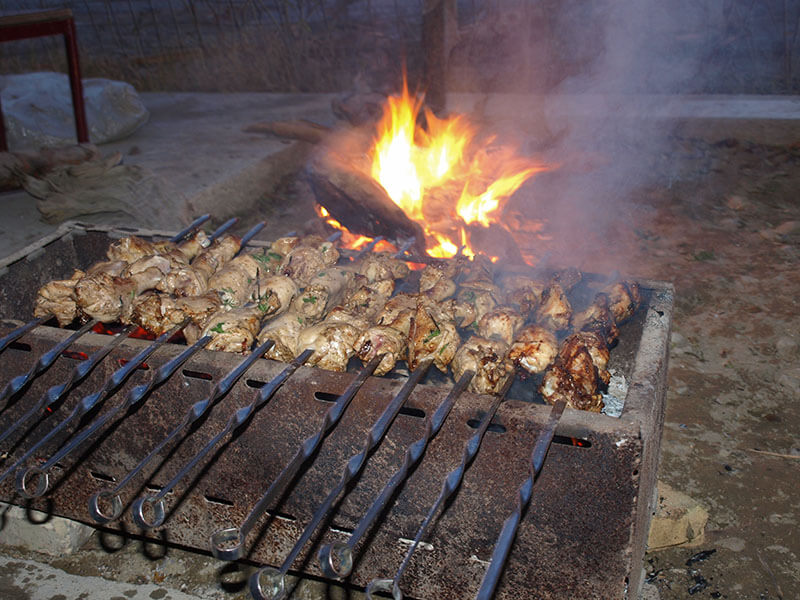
269 582
44 363
228 543
508 532
449 486
223 228
156 501
54 393
195 412
17 333
190 228
87 403
136 395
250 235
336 559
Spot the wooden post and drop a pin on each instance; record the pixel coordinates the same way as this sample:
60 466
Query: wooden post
439 33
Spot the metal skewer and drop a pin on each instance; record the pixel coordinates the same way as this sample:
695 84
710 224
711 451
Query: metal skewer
54 393
44 363
449 486
228 543
135 396
223 228
20 331
190 228
275 579
156 501
509 530
250 235
196 411
336 560
87 403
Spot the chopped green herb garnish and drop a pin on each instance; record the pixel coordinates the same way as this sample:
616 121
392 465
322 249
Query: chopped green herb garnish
228 290
443 347
321 274
469 295
217 328
263 306
431 335
300 320
274 256
310 300
249 280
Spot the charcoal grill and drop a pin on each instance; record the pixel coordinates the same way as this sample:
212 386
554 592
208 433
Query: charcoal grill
584 532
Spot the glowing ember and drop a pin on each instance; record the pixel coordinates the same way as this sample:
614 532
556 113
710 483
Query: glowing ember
352 240
437 177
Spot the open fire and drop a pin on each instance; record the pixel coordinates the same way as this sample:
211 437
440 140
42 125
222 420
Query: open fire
446 175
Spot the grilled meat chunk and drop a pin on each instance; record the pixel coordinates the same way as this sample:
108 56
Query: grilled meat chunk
274 294
216 255
431 335
332 344
624 297
597 318
233 330
304 262
534 349
487 358
380 266
436 281
157 313
234 282
481 295
57 298
368 301
555 311
381 339
567 278
398 312
502 323
325 290
284 331
340 314
130 249
577 372
523 293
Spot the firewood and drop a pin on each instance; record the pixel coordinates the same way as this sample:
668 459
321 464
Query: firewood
300 129
357 201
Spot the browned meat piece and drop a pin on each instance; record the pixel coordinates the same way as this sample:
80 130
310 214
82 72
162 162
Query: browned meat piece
487 358
558 384
304 262
269 261
567 278
523 292
130 249
380 266
398 312
502 323
183 280
210 260
284 331
381 339
594 344
104 294
435 282
284 245
576 375
235 281
624 298
192 246
534 349
597 318
157 313
340 314
325 290
435 271
274 294
233 330
482 296
431 335
555 310
57 298
369 301
332 344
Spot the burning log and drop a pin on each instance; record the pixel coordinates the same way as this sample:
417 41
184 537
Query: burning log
357 201
300 129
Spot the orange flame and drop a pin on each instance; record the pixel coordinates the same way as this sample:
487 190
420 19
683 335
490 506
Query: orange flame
436 177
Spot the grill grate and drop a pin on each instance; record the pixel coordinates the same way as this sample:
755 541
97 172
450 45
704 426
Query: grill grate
584 532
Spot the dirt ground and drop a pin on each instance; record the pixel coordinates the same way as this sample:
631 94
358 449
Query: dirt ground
727 234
